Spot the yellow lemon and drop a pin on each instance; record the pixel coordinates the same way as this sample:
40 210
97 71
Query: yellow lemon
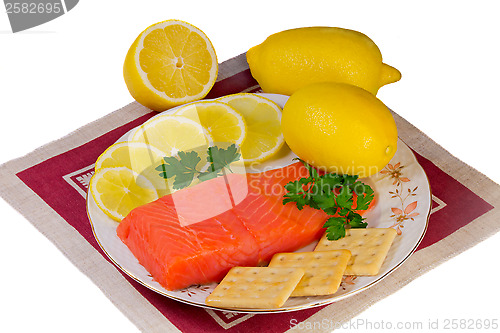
225 124
339 128
119 190
169 64
291 59
262 117
139 157
172 133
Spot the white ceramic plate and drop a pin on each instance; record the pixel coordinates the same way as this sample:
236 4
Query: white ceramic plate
404 203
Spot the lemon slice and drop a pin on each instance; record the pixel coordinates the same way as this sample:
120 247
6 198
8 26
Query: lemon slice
119 190
139 157
169 64
172 134
263 119
225 124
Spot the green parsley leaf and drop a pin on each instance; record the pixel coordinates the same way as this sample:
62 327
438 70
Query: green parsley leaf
296 193
335 228
334 194
344 198
330 182
355 220
313 173
325 200
220 158
350 180
183 168
364 198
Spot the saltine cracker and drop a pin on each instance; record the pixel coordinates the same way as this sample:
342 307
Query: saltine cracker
323 270
369 248
255 287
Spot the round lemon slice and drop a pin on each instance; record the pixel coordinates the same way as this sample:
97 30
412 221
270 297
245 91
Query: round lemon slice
139 157
263 119
169 64
172 133
119 190
225 124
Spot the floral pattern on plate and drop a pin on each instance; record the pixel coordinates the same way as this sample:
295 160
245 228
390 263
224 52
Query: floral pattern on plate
404 193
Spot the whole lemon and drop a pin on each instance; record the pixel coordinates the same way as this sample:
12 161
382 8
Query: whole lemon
340 128
291 59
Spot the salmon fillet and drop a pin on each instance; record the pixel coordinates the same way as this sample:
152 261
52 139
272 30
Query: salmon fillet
180 247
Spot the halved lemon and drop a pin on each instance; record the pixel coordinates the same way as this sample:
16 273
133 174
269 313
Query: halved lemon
225 124
119 190
263 119
169 64
140 157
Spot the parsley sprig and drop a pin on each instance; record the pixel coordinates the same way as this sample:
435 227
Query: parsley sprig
334 194
183 167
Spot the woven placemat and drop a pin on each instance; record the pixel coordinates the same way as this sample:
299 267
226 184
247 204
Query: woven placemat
48 186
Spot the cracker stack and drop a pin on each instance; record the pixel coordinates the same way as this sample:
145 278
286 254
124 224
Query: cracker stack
360 252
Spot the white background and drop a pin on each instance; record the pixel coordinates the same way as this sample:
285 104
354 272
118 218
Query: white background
61 75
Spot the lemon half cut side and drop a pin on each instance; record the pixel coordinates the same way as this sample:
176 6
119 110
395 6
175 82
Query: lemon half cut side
169 64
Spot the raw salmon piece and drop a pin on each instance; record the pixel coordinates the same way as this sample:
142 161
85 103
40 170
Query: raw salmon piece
178 256
270 223
192 206
277 227
272 183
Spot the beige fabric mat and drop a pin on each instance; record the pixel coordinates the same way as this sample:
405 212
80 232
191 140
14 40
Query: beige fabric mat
148 318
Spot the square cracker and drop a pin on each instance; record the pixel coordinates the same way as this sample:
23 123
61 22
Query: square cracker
255 287
323 270
368 247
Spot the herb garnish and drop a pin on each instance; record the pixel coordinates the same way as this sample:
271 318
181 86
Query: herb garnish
184 166
334 194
